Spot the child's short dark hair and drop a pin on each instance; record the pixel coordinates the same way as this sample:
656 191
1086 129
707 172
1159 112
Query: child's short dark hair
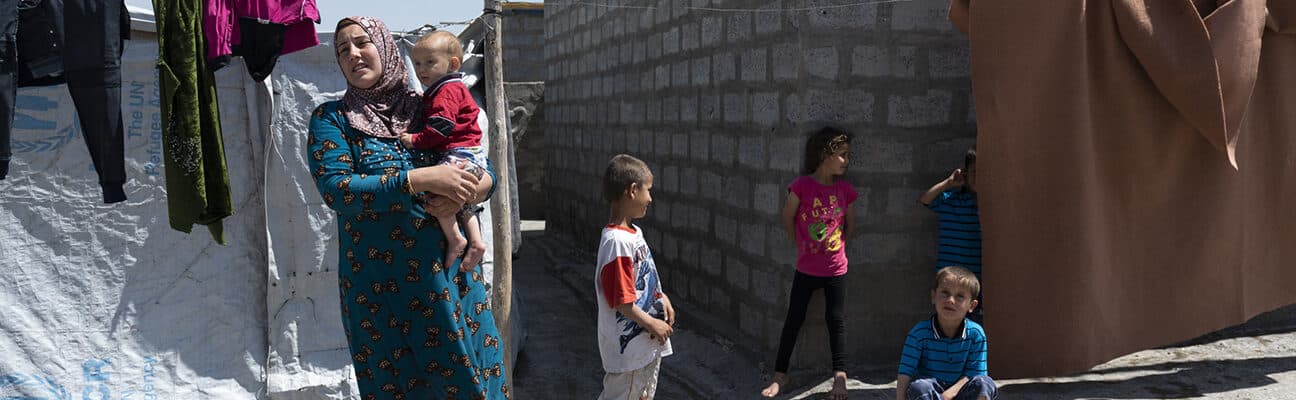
969 158
622 171
823 142
959 276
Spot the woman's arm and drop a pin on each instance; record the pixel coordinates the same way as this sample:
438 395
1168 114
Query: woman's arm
449 181
344 190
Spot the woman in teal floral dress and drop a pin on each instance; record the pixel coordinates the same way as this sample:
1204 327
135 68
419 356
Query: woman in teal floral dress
417 329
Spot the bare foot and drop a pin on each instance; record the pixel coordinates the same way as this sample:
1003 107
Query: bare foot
454 247
476 250
776 384
839 386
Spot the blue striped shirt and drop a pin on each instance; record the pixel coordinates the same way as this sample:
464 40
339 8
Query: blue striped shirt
959 242
929 354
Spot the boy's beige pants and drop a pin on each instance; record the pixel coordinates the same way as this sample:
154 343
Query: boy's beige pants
640 384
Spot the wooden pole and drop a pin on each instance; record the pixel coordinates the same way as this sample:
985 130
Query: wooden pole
501 210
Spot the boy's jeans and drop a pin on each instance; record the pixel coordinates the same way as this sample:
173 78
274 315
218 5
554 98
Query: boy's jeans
931 389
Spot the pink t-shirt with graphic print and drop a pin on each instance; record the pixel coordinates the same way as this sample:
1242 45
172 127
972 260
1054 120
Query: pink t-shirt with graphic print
819 220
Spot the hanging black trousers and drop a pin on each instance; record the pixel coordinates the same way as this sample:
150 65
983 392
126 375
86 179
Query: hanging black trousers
77 42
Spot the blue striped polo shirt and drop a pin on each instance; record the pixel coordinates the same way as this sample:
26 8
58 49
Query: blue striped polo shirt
959 242
929 354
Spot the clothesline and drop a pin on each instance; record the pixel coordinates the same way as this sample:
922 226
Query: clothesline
426 28
717 9
413 34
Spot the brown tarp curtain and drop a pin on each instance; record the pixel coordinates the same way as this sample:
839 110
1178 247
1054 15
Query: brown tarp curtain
1137 172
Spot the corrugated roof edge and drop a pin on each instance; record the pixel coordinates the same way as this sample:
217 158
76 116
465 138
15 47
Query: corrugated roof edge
518 5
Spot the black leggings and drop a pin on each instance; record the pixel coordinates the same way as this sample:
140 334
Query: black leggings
803 286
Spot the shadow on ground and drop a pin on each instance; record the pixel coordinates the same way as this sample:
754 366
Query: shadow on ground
1175 380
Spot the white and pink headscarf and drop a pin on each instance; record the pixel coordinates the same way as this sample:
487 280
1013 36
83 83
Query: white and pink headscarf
386 109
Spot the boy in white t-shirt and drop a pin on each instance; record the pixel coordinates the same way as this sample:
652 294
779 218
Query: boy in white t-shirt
634 315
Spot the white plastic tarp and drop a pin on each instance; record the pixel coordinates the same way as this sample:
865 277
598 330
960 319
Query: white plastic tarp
107 301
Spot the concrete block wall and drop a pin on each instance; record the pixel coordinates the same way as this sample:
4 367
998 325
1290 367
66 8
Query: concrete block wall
524 73
719 104
523 45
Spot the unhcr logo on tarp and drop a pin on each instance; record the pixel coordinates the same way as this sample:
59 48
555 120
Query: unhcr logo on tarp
38 125
46 120
97 383
143 119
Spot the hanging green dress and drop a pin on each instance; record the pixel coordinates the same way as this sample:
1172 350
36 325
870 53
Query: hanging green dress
197 183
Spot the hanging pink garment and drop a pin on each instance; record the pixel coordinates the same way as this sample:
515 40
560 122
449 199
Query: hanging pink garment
258 30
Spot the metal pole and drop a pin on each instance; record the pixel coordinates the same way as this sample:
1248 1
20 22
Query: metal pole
501 210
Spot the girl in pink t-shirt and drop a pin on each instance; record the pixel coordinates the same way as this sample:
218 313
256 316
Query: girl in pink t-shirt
818 218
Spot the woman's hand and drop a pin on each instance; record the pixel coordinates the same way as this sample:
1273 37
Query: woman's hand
438 205
454 184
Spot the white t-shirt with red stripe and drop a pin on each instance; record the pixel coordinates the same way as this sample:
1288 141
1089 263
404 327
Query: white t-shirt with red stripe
626 274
